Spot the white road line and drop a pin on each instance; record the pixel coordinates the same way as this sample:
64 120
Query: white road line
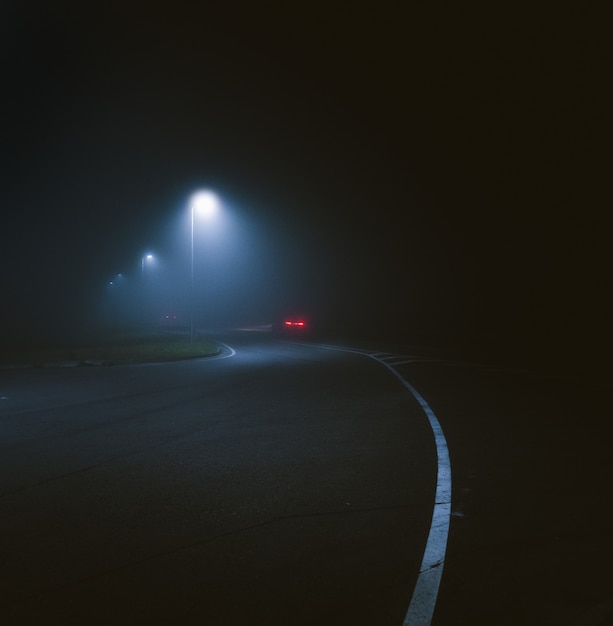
423 601
225 356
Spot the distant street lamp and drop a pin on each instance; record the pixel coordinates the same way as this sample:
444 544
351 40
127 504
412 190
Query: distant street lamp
146 257
117 280
204 203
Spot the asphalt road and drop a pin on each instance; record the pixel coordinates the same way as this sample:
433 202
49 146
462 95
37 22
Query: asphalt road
283 484
292 484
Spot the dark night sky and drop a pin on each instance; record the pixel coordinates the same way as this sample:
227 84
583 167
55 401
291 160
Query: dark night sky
439 170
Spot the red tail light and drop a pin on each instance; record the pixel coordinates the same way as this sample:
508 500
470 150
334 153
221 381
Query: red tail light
294 323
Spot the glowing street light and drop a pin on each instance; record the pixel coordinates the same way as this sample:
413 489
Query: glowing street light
203 203
117 280
144 258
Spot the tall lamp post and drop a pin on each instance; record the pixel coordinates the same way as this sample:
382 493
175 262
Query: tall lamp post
145 257
204 203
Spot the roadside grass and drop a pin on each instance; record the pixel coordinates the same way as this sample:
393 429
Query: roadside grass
117 352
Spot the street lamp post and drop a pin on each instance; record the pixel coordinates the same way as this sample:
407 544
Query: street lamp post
191 288
146 257
204 202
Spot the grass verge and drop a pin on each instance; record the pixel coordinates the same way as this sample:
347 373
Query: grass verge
138 350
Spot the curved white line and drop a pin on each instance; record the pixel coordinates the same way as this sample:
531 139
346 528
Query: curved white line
225 356
423 601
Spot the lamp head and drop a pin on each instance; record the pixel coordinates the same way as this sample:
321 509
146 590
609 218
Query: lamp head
204 203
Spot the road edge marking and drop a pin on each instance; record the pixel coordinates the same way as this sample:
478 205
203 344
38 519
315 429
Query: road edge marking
225 356
423 601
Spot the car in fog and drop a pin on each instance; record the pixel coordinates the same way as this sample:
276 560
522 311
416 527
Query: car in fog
292 325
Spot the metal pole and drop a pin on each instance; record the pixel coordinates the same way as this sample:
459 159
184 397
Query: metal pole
142 291
191 294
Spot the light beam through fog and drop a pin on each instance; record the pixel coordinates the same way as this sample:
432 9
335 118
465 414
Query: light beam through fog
220 262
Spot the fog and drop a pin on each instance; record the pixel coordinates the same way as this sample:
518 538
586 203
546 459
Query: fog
240 274
418 178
